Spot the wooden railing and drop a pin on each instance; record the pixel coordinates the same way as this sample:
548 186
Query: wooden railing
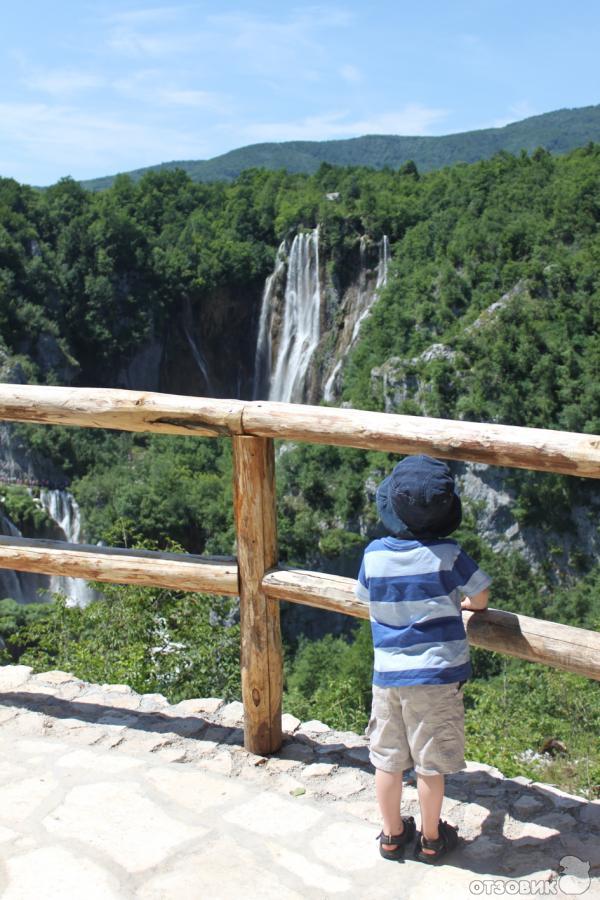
255 575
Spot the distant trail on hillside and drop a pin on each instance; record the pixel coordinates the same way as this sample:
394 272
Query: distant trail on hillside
558 132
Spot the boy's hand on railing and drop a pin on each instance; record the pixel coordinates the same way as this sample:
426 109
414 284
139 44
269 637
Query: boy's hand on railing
476 603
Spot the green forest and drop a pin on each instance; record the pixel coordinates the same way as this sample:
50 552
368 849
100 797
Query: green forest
558 132
496 264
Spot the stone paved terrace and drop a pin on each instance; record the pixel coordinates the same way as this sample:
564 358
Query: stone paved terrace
110 794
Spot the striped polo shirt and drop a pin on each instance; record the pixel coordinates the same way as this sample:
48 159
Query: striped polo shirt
414 589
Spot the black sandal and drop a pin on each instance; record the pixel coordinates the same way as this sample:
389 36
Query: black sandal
399 839
447 841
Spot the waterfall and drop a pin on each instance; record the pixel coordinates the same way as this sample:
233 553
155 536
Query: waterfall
384 261
328 390
298 332
289 325
63 509
262 359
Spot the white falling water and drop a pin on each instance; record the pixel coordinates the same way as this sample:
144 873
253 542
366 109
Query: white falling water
262 359
384 262
328 390
300 326
299 331
62 507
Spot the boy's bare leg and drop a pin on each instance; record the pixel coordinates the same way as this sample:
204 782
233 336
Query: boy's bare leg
431 796
388 787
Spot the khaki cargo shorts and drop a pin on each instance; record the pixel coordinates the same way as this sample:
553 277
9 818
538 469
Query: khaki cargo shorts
420 726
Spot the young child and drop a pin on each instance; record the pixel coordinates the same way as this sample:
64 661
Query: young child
414 580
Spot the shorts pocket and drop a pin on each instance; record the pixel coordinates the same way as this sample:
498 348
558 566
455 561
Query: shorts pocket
370 726
380 708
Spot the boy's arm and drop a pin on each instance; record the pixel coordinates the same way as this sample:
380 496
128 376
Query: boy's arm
361 588
477 601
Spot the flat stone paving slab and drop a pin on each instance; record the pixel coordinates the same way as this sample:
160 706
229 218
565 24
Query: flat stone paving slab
122 816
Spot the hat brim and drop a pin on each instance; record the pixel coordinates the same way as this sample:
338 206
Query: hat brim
396 526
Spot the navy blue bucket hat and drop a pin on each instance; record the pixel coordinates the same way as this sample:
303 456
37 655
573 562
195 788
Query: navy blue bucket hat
419 499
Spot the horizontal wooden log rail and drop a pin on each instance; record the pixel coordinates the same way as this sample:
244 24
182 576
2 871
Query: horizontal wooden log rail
257 580
500 445
121 410
180 571
551 643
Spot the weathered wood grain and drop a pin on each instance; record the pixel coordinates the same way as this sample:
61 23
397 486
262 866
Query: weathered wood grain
261 649
562 646
119 409
499 445
142 567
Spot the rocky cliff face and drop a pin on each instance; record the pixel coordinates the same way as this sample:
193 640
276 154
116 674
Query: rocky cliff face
207 349
562 552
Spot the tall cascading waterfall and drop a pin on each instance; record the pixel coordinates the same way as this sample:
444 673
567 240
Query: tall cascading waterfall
384 262
63 509
363 305
283 364
262 359
26 587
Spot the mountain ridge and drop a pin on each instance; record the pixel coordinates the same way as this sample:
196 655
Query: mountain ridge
558 132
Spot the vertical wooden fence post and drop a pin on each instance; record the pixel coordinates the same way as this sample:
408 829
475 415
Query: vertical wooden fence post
261 651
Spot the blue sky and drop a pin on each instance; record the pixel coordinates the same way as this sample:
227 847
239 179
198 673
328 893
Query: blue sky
92 88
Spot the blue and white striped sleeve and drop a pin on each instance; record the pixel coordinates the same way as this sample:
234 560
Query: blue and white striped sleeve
362 585
470 579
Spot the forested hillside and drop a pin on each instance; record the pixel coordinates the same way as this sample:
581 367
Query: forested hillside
558 132
490 313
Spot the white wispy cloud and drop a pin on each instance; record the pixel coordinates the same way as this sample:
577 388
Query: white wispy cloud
150 87
413 119
149 32
301 21
62 82
294 46
84 144
138 44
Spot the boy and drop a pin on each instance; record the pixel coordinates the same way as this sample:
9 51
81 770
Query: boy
414 580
